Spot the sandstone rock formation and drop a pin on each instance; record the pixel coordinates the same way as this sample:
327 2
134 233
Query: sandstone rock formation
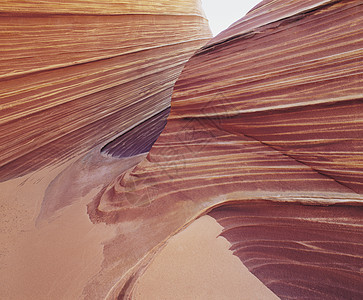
298 251
264 135
75 74
269 110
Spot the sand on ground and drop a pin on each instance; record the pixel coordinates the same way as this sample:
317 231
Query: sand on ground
55 257
197 264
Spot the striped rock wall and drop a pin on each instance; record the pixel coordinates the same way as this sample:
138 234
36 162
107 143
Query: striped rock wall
75 74
264 135
270 109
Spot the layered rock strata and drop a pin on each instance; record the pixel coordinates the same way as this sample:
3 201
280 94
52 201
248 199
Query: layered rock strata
264 135
269 110
298 251
74 75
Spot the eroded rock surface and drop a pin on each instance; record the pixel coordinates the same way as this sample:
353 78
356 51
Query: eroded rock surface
269 110
74 75
298 251
264 134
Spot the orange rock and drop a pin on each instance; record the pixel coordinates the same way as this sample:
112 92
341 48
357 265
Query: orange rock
270 109
74 75
266 117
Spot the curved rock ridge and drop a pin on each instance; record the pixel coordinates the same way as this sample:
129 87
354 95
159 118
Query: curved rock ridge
139 139
267 12
298 251
277 112
73 75
264 134
207 165
295 84
273 115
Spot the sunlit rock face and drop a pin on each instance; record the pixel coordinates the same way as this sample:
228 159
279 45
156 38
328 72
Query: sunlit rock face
272 109
76 74
264 136
269 110
293 83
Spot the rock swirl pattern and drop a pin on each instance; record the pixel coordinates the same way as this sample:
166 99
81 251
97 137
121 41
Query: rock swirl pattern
264 136
269 110
75 74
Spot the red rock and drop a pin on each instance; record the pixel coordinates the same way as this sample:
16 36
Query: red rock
270 109
266 117
298 251
74 76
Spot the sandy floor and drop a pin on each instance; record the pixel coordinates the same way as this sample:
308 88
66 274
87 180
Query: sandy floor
53 257
196 264
56 255
41 262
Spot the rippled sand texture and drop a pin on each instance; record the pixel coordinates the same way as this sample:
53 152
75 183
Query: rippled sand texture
269 110
74 74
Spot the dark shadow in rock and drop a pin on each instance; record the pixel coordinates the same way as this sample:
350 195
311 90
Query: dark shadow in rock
298 251
139 139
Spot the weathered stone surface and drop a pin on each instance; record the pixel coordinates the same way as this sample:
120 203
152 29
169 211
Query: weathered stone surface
269 110
298 251
75 74
265 130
